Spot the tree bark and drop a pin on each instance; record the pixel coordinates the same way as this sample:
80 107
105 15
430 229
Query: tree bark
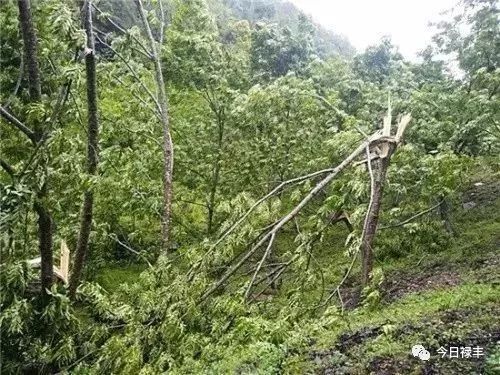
30 49
45 234
444 212
216 172
45 227
380 171
168 148
92 152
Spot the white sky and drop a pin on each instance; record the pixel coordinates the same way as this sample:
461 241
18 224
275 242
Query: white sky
364 22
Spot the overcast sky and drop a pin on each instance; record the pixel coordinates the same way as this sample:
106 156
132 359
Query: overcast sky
364 22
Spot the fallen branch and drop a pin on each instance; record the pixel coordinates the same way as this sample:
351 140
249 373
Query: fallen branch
388 145
416 216
375 139
13 120
264 257
276 274
275 191
114 238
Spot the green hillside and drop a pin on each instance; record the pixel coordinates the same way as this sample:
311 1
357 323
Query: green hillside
225 187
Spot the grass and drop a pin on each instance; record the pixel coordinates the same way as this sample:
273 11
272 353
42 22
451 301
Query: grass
413 308
458 314
111 277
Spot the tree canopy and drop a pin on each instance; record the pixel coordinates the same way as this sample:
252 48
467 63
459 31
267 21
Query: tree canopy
199 159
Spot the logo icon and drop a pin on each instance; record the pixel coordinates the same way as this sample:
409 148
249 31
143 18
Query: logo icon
420 352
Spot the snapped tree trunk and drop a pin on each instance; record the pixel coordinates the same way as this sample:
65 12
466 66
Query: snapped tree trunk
45 227
92 152
380 167
168 148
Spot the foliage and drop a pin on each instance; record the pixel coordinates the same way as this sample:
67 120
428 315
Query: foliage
256 97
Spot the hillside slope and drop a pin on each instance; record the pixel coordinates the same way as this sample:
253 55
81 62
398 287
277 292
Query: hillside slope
446 299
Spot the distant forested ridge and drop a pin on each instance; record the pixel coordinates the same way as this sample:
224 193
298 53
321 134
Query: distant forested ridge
280 12
284 13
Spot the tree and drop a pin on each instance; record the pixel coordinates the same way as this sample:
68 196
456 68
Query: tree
277 50
464 107
161 97
377 62
378 175
473 36
36 135
92 149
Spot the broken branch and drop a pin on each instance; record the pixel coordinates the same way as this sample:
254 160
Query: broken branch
373 140
264 257
416 216
13 120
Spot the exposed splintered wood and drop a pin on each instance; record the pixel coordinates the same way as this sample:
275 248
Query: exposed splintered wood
63 269
61 272
386 130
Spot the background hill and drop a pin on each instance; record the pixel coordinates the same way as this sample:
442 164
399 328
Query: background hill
280 12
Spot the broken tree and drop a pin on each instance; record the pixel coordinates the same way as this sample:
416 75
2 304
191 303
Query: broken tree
379 148
378 171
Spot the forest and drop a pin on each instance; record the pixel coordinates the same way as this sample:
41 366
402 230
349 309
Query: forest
228 187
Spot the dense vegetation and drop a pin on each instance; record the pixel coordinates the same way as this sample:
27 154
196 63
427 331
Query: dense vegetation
181 147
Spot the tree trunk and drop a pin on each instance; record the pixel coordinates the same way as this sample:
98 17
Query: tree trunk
45 227
168 148
444 212
380 167
30 50
45 231
92 152
216 172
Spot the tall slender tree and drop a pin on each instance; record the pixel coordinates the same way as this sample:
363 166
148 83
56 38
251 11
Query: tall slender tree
45 225
92 149
161 96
